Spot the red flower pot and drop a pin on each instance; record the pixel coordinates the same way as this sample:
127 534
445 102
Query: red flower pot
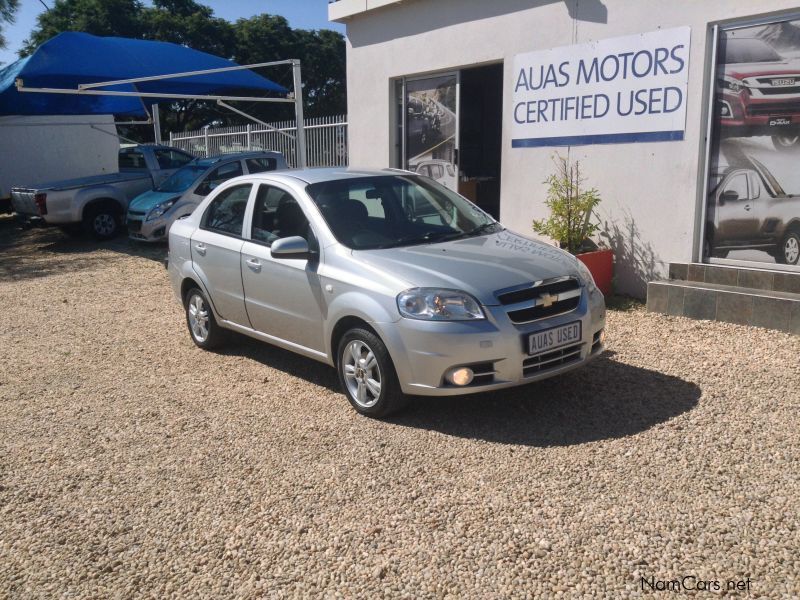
601 265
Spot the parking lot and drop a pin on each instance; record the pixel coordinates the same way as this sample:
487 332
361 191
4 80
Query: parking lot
134 464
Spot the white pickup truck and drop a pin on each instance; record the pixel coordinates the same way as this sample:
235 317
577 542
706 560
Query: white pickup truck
96 205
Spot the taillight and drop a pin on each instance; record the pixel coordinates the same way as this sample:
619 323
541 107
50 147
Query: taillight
41 203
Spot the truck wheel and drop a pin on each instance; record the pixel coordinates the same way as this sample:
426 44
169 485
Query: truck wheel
789 250
785 143
367 374
101 221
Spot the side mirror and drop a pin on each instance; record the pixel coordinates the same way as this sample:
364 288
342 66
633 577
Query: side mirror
729 196
290 247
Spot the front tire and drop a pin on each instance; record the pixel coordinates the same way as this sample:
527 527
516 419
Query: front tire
788 253
786 143
367 374
203 328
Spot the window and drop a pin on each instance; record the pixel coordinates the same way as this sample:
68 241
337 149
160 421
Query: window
259 165
755 187
217 176
171 159
225 214
437 172
396 210
738 184
130 158
747 50
276 215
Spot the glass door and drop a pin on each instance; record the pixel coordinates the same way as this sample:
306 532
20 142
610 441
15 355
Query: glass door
430 120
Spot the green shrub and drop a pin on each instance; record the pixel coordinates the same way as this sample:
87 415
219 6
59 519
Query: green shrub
570 221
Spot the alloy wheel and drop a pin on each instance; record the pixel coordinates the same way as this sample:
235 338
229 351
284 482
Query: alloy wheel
362 374
791 249
198 318
104 224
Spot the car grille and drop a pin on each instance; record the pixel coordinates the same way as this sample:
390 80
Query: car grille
541 299
774 91
551 360
774 108
134 225
136 213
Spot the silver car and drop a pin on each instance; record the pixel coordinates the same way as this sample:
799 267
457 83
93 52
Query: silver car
403 286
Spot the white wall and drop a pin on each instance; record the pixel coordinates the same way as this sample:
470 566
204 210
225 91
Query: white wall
38 149
649 190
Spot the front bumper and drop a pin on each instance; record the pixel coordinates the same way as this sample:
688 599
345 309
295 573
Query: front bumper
147 231
422 351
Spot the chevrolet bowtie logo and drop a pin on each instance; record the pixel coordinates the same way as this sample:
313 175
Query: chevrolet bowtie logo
548 299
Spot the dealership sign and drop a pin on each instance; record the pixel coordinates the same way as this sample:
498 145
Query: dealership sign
625 89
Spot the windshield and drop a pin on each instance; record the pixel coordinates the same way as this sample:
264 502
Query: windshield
182 179
396 210
747 50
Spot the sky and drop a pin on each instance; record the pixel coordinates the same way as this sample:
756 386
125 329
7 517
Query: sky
301 14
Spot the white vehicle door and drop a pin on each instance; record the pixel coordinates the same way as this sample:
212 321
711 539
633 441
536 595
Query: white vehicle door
282 295
216 252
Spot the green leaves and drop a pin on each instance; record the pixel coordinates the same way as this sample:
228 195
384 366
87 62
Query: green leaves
570 221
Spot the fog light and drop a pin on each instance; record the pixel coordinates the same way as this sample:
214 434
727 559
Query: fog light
459 376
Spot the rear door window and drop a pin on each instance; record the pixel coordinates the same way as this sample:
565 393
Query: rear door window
261 164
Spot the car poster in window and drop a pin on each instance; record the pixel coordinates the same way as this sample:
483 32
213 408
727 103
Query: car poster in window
753 211
431 128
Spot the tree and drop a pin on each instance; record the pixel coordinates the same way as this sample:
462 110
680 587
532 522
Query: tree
7 10
262 38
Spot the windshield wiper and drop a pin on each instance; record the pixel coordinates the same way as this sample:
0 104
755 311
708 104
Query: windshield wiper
485 228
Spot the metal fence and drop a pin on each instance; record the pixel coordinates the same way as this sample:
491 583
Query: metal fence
326 140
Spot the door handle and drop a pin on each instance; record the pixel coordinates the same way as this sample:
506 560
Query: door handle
201 249
747 207
253 264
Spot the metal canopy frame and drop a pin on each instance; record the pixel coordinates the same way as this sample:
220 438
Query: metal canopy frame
295 97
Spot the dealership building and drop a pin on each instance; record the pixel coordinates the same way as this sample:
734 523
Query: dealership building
684 115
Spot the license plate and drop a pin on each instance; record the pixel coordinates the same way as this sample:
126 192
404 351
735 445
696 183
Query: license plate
782 82
553 338
780 121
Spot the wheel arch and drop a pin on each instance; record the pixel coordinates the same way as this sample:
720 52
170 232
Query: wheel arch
342 326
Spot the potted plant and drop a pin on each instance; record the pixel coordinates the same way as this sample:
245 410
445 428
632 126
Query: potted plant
570 222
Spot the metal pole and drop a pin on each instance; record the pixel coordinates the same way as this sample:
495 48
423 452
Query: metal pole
156 124
300 143
249 137
205 139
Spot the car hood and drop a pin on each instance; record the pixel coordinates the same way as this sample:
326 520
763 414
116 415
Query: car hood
477 265
144 202
742 70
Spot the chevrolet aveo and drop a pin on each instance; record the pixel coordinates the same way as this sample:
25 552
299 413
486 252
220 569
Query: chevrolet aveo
405 287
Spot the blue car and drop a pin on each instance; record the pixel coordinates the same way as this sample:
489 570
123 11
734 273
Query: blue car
151 214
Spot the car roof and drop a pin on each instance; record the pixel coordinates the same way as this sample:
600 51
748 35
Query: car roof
321 174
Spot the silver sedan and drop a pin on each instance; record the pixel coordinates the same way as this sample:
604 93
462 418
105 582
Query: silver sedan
402 285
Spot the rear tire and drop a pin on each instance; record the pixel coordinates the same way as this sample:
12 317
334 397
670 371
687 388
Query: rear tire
101 221
367 375
788 252
203 328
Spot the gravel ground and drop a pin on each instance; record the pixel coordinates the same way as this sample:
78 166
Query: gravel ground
133 464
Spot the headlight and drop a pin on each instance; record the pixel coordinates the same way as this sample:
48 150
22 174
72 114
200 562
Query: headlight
731 84
586 275
431 304
160 208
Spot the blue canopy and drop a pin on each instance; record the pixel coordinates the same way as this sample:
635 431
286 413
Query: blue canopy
72 58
